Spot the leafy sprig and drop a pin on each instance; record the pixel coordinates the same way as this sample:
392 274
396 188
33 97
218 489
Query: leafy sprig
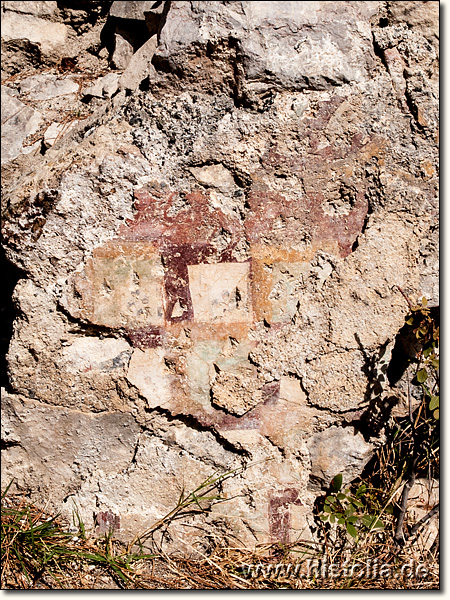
347 509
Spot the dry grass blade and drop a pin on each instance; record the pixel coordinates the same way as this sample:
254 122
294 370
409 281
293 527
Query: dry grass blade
202 493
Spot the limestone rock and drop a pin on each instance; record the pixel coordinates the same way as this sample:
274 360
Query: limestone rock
420 16
135 23
131 10
123 51
50 37
140 66
63 446
18 122
46 87
423 497
260 39
39 8
148 372
236 394
338 451
104 87
214 176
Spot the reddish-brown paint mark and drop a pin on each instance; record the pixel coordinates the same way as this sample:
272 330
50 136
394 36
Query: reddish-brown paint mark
147 337
176 283
278 513
251 419
324 113
271 393
186 229
179 219
344 229
106 522
176 259
304 219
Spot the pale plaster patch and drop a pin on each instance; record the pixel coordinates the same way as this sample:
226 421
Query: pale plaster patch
147 371
287 281
90 353
200 370
220 292
127 291
291 391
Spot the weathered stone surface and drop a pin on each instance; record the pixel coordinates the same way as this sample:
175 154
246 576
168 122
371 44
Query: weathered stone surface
50 37
215 257
85 354
216 176
332 42
123 51
140 66
220 293
46 87
335 451
18 122
39 8
64 445
131 10
236 393
420 16
104 87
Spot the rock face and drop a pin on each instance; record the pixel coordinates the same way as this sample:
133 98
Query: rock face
307 45
211 263
18 122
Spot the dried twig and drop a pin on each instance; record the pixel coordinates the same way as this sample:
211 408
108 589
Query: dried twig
430 514
399 536
405 297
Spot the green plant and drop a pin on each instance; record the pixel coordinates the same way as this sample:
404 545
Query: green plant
421 427
426 331
78 521
35 547
346 509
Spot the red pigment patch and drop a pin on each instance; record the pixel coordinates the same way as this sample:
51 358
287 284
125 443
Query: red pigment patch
279 515
304 219
177 219
225 421
343 229
251 419
328 212
188 231
147 337
106 522
176 260
271 393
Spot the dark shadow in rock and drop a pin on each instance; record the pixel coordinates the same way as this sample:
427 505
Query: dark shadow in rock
405 349
133 31
87 11
10 276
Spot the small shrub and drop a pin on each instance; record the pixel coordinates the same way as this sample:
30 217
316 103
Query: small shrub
347 509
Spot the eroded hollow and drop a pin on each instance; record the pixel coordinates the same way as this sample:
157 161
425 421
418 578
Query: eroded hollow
10 276
405 349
